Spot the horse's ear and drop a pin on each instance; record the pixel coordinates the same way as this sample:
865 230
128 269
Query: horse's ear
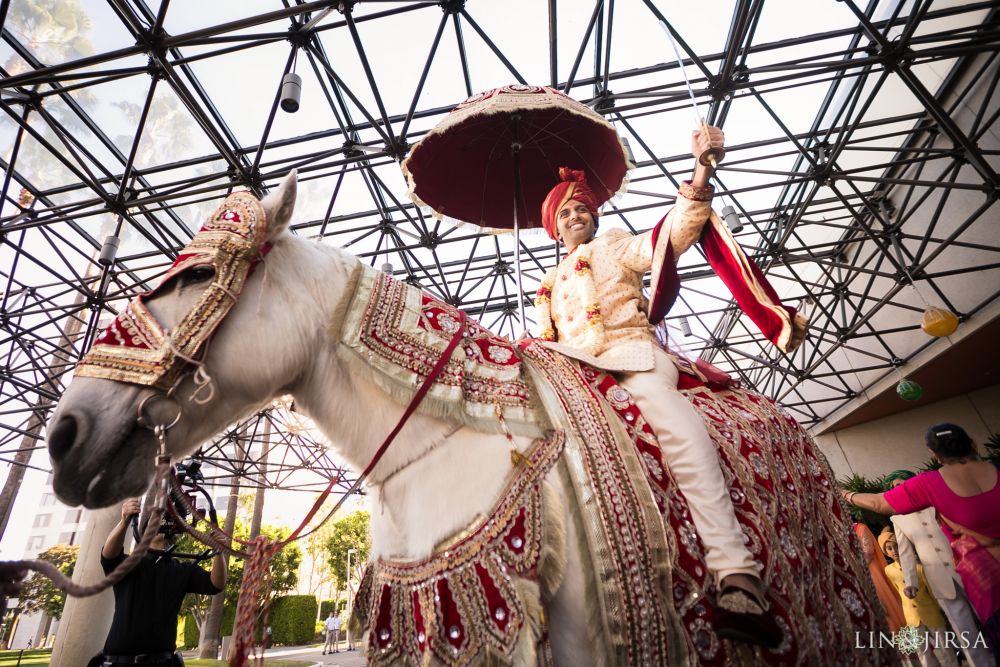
278 206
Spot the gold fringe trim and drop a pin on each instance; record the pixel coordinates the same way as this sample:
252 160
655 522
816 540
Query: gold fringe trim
552 562
433 407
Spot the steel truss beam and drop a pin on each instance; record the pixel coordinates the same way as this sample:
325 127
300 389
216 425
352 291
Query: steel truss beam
855 212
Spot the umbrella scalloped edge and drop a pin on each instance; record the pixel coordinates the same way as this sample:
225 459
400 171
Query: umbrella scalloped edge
508 99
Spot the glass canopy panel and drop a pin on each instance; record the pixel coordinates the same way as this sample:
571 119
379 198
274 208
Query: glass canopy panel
838 251
186 16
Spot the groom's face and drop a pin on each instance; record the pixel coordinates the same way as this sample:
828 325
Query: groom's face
575 224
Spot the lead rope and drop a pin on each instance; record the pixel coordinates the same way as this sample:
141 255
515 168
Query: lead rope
13 571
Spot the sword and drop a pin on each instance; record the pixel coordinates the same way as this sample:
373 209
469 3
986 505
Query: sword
713 155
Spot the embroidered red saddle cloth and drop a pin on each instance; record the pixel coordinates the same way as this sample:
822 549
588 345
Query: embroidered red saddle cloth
793 522
451 609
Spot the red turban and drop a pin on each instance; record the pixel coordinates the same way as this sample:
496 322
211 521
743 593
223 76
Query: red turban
572 185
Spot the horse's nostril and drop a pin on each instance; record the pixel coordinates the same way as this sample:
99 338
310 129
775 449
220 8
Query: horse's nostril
62 436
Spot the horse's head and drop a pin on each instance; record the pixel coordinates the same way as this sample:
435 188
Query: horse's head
221 305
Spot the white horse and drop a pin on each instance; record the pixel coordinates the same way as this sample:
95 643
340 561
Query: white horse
436 480
275 342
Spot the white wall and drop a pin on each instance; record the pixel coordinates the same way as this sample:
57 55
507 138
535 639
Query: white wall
883 445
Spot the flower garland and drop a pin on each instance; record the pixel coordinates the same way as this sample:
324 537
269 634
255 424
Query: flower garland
594 333
593 338
543 306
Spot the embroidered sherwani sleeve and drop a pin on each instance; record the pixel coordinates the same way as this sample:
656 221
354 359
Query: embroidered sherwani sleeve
685 221
688 217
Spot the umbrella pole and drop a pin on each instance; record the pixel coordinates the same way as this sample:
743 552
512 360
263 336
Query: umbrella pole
515 147
517 270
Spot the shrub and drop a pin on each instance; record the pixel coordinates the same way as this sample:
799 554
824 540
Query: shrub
190 632
293 618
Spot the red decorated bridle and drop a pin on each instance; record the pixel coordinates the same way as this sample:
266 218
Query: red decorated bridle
138 349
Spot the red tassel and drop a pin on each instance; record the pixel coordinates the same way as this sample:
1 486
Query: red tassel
254 594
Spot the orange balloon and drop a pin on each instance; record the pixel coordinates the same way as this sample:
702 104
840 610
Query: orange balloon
938 322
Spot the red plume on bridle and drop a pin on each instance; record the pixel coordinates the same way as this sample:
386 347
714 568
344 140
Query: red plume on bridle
572 185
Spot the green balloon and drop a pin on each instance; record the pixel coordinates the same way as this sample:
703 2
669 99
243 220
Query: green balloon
909 390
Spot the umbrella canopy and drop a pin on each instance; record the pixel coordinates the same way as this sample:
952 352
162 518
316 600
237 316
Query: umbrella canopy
465 167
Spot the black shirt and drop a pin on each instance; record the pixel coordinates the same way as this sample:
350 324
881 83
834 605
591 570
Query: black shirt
147 601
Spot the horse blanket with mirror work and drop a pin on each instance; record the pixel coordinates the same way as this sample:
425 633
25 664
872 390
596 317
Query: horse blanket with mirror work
479 599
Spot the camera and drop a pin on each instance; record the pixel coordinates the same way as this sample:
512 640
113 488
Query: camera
188 475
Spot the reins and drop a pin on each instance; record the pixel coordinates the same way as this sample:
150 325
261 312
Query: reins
256 579
260 550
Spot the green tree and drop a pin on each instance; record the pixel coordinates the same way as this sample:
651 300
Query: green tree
992 453
351 532
318 574
54 30
39 593
861 484
284 569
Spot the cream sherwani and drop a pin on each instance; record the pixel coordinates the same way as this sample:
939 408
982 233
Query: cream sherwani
622 341
919 536
618 262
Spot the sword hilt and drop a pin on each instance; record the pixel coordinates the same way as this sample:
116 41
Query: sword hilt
713 156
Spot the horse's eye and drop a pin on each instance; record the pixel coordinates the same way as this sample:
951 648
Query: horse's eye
198 274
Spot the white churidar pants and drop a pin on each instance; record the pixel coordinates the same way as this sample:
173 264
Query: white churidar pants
963 622
692 458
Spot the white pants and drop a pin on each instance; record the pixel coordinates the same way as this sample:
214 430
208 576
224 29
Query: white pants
963 621
692 458
936 657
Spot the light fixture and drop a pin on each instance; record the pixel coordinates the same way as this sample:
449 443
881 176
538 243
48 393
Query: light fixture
909 390
685 327
291 91
732 219
387 268
938 322
108 251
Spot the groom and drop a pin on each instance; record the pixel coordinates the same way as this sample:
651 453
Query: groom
591 307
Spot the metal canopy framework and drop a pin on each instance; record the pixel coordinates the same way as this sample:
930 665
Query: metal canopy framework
862 158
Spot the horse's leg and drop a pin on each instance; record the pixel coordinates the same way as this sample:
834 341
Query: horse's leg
568 610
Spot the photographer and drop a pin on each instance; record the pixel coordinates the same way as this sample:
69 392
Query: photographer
149 598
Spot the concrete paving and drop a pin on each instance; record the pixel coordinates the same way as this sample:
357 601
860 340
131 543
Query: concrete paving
314 652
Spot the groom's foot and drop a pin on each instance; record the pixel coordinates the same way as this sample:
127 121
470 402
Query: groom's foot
741 612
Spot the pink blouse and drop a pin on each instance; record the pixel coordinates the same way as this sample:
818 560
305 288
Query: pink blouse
980 512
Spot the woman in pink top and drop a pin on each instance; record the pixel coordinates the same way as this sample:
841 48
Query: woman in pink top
965 491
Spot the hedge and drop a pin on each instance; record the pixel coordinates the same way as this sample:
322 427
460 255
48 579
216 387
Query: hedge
293 619
191 634
190 631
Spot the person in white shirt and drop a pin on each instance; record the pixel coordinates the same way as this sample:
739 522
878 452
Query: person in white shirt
332 634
